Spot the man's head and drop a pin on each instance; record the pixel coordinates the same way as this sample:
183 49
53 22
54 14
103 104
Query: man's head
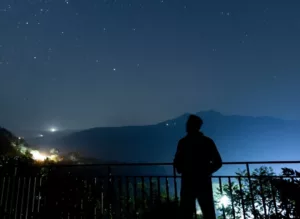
193 124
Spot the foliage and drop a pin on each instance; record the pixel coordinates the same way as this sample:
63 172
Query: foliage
289 189
10 153
263 195
7 143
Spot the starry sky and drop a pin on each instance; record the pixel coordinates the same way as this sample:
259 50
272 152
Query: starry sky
85 63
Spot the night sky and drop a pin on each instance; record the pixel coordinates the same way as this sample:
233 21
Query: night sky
83 63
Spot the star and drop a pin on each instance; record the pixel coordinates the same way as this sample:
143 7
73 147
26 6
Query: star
114 69
34 57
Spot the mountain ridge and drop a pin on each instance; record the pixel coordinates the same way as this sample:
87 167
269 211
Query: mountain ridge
237 137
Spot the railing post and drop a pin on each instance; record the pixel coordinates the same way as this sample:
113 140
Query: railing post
251 192
121 196
263 197
242 196
167 189
127 195
221 191
175 185
110 189
274 197
231 197
151 191
13 192
143 193
158 190
135 196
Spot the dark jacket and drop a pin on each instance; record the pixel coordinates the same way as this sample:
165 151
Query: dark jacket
197 156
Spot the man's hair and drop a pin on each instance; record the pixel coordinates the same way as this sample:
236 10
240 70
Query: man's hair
194 123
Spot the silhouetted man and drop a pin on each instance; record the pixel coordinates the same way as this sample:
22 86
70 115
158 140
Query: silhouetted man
197 158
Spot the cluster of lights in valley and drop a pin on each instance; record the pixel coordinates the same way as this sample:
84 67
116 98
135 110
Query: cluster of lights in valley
38 156
42 156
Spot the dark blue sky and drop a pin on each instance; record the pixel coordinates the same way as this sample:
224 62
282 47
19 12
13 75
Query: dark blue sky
85 63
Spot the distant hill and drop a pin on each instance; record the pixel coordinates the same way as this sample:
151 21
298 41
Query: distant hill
45 139
11 145
239 138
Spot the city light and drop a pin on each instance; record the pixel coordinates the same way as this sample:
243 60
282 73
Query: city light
36 155
53 129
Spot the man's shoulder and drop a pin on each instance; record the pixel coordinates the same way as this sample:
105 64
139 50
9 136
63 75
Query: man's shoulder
207 138
201 137
182 140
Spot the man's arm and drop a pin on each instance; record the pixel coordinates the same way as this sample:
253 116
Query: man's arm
216 158
177 163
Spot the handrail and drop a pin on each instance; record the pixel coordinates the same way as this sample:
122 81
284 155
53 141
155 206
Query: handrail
164 164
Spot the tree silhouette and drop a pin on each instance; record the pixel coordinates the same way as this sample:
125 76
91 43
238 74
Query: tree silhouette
262 196
7 139
289 189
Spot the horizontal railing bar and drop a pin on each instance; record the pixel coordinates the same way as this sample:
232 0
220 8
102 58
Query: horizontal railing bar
165 164
179 176
263 162
217 177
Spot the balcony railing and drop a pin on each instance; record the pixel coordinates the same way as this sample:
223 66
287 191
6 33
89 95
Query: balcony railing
141 190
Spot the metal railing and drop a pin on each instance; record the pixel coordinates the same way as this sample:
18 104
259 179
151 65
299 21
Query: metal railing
117 191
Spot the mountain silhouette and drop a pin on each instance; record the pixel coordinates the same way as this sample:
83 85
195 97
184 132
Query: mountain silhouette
239 138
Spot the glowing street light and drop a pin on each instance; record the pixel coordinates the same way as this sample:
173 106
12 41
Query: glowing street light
224 201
